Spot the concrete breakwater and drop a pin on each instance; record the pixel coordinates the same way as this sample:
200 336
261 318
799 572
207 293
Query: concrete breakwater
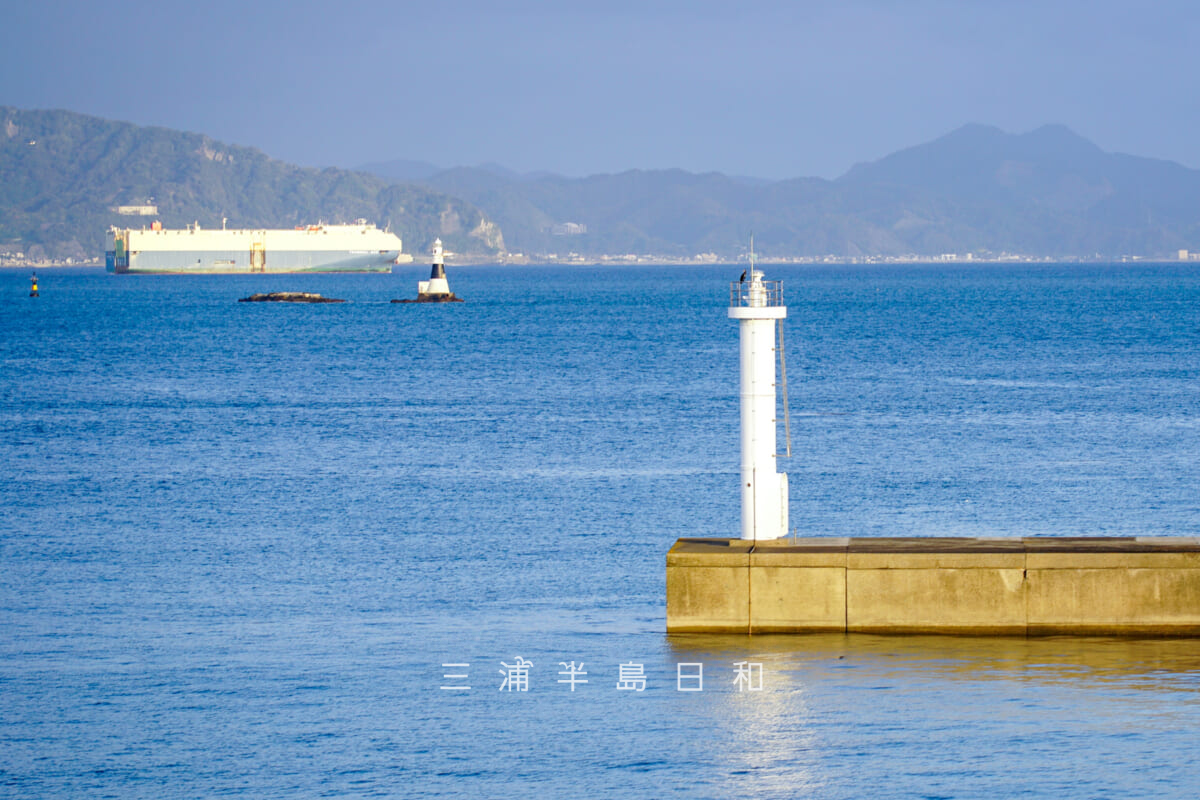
1020 586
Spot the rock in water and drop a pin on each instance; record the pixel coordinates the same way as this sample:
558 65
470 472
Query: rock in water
289 297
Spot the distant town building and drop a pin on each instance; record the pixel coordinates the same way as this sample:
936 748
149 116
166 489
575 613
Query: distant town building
137 211
1183 255
12 258
568 229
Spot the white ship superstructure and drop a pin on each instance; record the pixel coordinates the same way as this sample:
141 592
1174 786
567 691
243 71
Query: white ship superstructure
359 247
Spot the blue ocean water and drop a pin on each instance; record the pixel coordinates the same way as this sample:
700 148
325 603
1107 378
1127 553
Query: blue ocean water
241 542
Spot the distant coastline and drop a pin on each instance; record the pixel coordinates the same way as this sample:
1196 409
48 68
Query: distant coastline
673 261
17 263
948 258
976 194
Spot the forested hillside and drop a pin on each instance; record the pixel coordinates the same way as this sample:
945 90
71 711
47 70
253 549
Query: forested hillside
976 190
61 175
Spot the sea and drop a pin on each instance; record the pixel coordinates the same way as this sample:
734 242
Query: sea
367 549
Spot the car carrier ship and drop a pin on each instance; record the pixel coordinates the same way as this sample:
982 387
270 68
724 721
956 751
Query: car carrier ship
360 247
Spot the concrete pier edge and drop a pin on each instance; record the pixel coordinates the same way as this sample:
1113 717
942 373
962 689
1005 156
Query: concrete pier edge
1028 586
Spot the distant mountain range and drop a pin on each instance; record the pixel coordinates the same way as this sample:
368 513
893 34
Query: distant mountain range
63 174
976 190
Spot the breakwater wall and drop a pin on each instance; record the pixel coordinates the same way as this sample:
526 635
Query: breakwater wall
1134 586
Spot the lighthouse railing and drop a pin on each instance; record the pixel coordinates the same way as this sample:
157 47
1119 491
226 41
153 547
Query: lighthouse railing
755 294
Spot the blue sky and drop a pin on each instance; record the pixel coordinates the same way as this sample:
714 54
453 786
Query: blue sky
769 89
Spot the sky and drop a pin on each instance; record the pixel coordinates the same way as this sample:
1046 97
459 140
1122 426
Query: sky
766 89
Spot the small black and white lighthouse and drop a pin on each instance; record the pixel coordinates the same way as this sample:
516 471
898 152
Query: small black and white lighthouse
436 289
437 285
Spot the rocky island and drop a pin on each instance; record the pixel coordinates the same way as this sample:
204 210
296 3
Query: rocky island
288 297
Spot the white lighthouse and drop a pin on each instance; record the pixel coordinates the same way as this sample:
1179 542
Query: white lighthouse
758 306
437 284
436 289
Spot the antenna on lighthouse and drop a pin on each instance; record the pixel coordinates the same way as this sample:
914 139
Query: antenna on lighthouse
757 304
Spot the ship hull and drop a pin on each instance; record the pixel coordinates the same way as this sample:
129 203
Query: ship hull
360 247
208 262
